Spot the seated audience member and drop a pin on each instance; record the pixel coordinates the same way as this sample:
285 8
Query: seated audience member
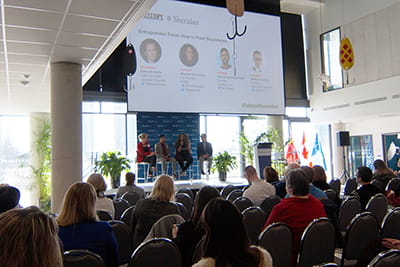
102 202
315 191
226 241
29 238
79 229
259 189
183 153
9 198
130 186
382 173
204 153
298 210
366 190
319 178
164 156
189 233
393 197
149 210
144 153
272 177
374 248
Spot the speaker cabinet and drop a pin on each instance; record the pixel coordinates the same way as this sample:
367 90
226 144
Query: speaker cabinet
343 138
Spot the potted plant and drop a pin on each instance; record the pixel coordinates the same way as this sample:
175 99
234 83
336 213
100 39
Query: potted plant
112 164
223 162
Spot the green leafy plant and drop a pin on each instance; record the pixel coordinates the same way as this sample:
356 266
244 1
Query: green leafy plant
111 164
246 148
223 163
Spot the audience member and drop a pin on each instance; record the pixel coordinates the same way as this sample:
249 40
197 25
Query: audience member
259 189
78 228
374 248
272 177
163 155
315 191
149 210
144 153
29 238
226 241
9 197
291 166
130 186
183 153
102 202
382 173
298 210
319 178
188 234
204 153
367 190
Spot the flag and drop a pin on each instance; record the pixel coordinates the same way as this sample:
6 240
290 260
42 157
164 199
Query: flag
317 154
291 154
303 143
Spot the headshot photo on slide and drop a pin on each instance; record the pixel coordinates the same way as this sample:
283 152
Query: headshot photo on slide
257 61
224 59
188 55
150 50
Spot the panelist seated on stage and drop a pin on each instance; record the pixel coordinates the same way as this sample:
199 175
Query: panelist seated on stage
183 153
144 153
163 155
204 153
130 186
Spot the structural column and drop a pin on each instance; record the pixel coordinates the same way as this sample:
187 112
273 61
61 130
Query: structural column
66 130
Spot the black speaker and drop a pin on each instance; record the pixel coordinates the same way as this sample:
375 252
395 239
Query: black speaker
129 60
343 138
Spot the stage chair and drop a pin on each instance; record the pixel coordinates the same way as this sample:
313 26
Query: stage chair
124 237
142 171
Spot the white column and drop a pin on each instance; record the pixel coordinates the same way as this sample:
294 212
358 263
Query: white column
66 132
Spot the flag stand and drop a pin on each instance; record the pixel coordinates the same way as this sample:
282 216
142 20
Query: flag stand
345 174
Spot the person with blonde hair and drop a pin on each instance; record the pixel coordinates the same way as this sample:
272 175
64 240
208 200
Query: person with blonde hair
149 210
79 228
102 202
144 153
29 238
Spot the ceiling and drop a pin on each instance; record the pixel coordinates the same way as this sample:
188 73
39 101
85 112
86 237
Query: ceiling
35 33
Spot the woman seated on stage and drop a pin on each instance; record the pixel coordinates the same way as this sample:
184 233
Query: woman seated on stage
79 228
144 153
102 202
226 242
183 153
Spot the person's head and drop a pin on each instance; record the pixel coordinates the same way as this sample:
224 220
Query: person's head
203 137
270 174
150 50
308 172
9 198
297 183
29 237
205 194
381 167
189 53
364 174
250 173
182 140
257 58
162 138
79 205
130 178
143 137
98 182
224 55
163 189
319 174
291 166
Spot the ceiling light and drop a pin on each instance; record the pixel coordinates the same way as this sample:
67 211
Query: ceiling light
24 83
27 76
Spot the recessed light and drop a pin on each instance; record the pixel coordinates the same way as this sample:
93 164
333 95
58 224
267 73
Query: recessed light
24 83
27 76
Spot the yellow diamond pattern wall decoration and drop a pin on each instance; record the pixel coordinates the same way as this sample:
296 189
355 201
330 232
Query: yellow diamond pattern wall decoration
346 54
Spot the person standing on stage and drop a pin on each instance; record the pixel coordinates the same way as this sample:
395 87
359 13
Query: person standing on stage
183 153
144 153
163 155
204 153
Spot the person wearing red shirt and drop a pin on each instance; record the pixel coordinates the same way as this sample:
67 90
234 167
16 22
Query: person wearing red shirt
144 153
298 210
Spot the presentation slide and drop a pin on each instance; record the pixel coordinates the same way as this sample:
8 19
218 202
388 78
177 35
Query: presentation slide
186 63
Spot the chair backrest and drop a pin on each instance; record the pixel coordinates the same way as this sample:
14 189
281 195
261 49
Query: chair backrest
326 264
393 184
350 186
388 258
131 197
335 186
277 240
242 203
234 195
378 183
268 204
162 228
332 195
350 208
82 258
127 215
378 205
156 252
183 211
123 235
186 200
120 205
226 190
317 244
391 225
254 220
186 190
361 230
103 215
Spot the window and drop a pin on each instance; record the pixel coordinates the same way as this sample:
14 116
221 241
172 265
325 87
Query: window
331 77
361 153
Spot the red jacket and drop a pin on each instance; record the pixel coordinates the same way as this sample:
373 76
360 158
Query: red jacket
142 151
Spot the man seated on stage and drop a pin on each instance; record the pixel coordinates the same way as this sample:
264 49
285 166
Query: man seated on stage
130 186
163 155
204 153
259 189
367 190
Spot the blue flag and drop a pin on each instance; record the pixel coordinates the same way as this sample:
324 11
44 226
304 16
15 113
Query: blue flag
317 154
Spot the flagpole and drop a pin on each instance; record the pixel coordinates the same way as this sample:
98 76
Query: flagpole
345 175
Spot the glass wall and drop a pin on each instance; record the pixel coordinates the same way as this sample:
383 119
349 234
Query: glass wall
331 76
361 153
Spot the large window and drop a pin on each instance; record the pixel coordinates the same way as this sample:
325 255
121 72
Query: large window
331 76
361 153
